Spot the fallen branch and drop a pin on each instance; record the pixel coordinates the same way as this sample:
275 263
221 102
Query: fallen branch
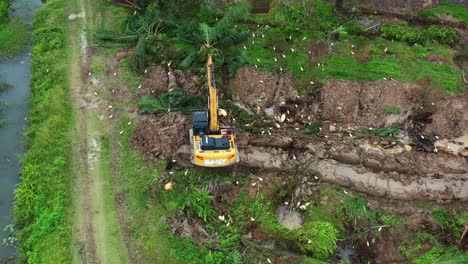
463 235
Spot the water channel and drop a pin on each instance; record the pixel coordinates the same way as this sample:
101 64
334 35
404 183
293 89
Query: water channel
17 73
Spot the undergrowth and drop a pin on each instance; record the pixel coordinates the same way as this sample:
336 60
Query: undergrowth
14 36
459 12
14 33
411 34
42 197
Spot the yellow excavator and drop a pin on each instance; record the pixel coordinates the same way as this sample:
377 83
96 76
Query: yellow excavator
210 145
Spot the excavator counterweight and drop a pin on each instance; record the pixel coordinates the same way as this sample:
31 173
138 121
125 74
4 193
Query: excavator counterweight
210 144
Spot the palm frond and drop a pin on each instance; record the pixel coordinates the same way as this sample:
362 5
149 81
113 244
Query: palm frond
138 57
189 59
207 33
233 14
231 40
110 36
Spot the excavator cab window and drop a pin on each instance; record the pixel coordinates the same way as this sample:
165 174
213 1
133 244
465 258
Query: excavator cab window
210 143
200 122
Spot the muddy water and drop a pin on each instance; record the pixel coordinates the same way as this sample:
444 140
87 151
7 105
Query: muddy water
16 72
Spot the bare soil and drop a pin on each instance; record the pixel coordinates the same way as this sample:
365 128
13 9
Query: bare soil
370 165
367 104
258 90
160 136
157 80
450 117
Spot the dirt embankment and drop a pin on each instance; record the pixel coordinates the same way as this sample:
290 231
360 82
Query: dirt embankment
339 154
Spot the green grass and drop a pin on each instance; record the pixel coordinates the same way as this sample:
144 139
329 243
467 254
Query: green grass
106 223
138 176
386 59
442 77
387 133
393 110
14 36
42 197
459 12
441 254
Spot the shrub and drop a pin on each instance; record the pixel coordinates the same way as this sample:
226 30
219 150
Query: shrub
199 203
14 37
317 238
4 6
448 221
404 32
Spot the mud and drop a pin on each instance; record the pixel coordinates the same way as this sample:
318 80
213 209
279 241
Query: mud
407 175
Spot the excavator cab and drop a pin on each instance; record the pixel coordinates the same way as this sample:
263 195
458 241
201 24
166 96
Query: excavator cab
211 145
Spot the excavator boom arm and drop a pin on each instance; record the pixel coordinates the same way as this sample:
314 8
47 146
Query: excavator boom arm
213 96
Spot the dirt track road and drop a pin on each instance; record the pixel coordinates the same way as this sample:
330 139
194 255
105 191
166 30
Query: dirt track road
97 218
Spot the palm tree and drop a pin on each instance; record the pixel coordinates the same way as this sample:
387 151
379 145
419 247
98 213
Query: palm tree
195 40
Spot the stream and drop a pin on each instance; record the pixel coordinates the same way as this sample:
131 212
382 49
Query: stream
17 73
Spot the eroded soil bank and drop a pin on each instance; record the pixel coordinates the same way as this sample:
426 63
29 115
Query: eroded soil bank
412 163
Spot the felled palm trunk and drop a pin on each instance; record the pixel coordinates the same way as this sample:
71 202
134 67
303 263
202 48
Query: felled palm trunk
172 80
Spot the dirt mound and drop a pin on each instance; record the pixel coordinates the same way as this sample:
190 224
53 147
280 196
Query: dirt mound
450 118
154 82
369 104
400 5
190 83
160 136
159 79
439 59
340 101
258 90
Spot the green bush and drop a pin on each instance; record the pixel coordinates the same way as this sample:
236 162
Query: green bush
404 32
14 37
4 7
448 221
199 203
439 254
317 238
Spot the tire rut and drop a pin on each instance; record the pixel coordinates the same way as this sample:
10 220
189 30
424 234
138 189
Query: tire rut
82 178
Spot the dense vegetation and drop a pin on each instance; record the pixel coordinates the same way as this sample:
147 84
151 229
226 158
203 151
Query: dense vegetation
43 195
13 32
42 198
281 41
